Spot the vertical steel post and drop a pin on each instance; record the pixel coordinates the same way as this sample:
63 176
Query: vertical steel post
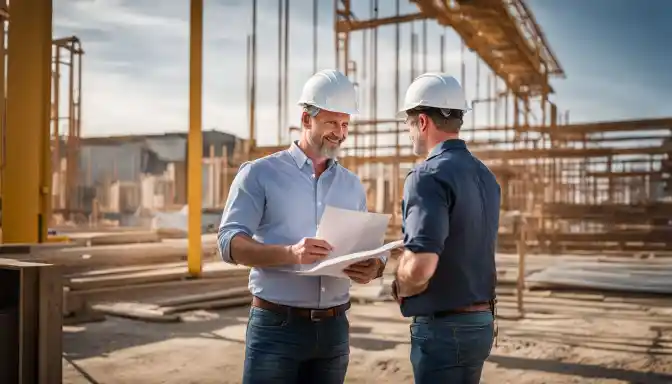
28 112
195 139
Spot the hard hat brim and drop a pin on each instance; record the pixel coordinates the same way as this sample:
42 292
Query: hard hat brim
323 108
403 115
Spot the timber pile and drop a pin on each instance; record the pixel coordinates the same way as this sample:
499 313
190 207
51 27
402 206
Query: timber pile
75 258
655 278
179 308
90 239
137 291
143 270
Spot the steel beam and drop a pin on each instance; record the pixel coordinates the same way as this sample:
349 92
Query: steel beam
195 139
349 25
28 112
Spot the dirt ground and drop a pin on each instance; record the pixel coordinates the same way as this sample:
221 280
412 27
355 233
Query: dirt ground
209 349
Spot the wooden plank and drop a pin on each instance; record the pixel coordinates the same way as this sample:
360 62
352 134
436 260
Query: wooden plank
211 270
50 325
127 237
136 311
121 270
211 304
188 299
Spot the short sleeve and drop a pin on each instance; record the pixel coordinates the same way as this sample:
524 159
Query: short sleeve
425 212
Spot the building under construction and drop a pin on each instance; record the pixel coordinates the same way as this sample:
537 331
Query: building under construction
601 188
591 186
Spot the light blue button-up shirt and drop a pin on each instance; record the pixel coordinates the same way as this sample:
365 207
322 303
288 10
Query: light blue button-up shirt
278 200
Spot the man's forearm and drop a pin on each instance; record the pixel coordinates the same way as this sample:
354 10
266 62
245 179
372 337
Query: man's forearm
412 277
407 286
246 251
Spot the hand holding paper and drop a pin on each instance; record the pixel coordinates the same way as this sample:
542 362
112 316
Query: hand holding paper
310 250
355 236
363 272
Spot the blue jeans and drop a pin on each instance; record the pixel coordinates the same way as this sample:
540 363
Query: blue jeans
451 349
286 349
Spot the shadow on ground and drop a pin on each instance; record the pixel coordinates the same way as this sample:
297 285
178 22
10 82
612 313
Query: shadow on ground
101 339
373 344
583 370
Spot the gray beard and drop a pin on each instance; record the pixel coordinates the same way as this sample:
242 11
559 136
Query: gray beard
325 151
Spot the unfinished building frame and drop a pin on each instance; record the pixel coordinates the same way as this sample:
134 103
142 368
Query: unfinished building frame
580 186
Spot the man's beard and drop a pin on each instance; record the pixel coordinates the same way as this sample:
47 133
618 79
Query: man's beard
323 149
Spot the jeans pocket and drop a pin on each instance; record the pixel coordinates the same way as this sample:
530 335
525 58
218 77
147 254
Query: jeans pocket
475 342
264 318
420 331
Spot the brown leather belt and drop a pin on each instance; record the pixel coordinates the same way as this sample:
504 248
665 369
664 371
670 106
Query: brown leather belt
477 307
313 314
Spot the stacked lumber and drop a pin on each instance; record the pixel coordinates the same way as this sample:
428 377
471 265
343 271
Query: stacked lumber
179 308
645 277
80 258
113 238
141 287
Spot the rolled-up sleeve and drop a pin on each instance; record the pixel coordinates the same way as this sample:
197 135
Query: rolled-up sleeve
243 209
425 212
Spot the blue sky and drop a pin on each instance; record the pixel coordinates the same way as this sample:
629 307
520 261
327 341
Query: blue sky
135 73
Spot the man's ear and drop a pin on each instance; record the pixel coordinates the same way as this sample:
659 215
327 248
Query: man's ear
423 122
305 120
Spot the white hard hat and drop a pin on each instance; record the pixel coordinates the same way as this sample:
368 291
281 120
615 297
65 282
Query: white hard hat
436 90
330 90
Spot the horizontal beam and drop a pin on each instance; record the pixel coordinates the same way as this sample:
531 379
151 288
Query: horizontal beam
606 126
343 26
617 175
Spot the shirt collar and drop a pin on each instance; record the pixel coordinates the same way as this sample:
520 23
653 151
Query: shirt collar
300 157
448 145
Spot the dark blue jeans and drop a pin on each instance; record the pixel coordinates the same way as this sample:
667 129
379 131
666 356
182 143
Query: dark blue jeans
451 349
285 349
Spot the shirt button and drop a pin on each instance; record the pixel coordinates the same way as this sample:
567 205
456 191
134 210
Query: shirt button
323 289
319 203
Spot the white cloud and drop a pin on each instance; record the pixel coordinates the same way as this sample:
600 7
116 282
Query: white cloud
136 64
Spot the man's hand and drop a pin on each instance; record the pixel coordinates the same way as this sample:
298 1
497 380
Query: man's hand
309 250
395 292
364 271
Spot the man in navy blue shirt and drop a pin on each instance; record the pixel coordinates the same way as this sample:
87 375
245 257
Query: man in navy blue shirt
446 276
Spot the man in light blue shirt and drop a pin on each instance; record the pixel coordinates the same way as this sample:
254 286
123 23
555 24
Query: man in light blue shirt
297 329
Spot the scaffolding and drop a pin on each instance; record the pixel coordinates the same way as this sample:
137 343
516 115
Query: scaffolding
580 186
66 65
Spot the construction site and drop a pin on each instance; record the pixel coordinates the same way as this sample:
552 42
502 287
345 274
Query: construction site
109 278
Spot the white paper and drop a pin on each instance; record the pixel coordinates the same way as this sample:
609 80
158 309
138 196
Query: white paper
349 232
334 266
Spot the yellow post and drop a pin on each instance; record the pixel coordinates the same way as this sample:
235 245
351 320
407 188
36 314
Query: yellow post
28 110
3 17
195 140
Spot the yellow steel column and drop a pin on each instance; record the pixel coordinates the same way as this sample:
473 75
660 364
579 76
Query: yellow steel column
28 95
195 140
3 17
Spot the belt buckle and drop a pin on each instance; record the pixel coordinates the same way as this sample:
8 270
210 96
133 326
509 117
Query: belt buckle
316 314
